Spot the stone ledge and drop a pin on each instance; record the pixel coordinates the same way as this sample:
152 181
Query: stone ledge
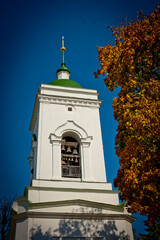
53 215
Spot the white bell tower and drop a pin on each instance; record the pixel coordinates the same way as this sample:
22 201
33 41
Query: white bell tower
62 112
69 197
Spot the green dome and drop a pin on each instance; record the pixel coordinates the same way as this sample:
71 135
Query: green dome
65 83
63 68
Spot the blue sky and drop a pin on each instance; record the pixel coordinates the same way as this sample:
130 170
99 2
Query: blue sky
30 44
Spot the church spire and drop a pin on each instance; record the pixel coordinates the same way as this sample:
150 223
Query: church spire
63 72
63 49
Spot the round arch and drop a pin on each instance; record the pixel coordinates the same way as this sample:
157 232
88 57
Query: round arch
73 134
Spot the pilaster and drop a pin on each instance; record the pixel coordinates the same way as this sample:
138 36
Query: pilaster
56 156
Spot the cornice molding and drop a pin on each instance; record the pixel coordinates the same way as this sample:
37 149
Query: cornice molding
55 215
69 101
68 89
32 188
79 202
41 98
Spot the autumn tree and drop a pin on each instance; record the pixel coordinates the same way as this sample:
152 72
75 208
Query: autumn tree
132 64
153 231
5 216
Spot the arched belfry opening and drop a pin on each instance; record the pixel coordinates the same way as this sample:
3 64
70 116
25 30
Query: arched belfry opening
70 157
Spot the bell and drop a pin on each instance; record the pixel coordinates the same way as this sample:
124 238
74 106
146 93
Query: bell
69 150
76 160
75 151
72 159
63 148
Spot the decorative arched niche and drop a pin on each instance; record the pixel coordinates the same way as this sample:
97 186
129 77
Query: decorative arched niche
71 152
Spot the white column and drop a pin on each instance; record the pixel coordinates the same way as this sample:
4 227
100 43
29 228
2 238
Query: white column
86 161
56 156
34 161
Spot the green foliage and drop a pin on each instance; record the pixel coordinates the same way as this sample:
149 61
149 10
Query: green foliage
153 231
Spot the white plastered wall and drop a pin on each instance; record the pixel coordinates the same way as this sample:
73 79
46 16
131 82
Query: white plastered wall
88 228
85 115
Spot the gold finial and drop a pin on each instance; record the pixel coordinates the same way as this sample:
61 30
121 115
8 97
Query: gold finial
63 49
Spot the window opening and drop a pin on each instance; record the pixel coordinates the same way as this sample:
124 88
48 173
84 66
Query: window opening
70 158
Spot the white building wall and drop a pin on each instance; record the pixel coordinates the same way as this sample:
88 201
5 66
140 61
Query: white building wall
21 231
88 228
44 196
53 115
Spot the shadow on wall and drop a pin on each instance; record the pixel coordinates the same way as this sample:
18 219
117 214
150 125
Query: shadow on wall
73 229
